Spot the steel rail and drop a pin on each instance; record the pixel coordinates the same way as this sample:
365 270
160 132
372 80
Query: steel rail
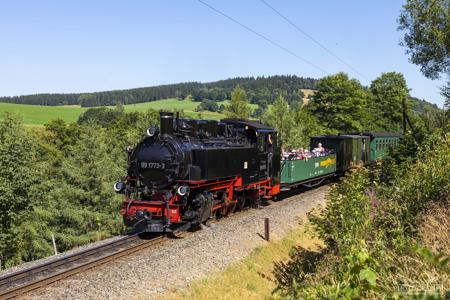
12 277
81 266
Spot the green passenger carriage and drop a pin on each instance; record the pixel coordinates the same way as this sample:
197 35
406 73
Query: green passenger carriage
345 152
380 142
303 171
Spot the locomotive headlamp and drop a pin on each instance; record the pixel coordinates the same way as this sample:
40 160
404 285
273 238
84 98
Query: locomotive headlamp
139 214
147 215
119 187
152 131
143 214
182 190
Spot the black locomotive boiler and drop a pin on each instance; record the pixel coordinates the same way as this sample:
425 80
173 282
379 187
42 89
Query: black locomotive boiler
187 170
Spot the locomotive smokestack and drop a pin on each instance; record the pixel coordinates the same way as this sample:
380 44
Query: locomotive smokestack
166 120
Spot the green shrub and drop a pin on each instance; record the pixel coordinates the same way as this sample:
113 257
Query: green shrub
370 228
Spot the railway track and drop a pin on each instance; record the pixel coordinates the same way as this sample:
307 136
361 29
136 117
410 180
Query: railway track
26 280
23 281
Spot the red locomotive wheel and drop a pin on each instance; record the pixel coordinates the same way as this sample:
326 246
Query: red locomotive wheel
226 205
232 206
241 202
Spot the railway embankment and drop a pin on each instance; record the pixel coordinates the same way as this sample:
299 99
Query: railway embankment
175 264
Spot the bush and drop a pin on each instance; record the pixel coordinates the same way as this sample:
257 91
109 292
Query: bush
102 116
209 105
375 247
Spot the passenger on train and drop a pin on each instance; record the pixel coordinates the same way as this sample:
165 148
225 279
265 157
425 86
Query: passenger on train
302 153
319 151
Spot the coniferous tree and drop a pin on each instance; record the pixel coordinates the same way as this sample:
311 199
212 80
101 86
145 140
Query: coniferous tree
306 126
238 106
280 117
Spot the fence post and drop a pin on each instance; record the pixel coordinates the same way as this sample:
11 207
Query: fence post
54 244
266 229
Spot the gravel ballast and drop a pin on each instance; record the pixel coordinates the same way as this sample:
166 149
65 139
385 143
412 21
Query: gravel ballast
176 262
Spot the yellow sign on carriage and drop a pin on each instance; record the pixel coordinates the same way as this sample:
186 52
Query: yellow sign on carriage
328 162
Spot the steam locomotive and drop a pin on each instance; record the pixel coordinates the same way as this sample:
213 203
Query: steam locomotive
188 171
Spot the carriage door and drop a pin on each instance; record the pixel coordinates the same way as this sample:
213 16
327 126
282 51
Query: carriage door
364 157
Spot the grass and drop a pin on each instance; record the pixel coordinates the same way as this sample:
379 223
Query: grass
37 115
187 106
250 278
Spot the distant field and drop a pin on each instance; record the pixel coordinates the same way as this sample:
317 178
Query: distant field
185 105
308 93
39 115
35 115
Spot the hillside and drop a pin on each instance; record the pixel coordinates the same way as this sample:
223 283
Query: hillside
259 89
262 91
36 115
421 105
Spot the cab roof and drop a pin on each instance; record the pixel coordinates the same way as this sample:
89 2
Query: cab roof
254 124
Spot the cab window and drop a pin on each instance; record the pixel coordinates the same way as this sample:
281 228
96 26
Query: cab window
261 143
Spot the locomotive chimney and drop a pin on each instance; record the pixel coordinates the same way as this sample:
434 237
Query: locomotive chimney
166 120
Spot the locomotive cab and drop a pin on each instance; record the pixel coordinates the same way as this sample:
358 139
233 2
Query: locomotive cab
265 161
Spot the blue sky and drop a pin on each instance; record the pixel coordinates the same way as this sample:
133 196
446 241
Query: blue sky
84 46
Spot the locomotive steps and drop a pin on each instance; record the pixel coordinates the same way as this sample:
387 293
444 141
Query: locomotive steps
175 263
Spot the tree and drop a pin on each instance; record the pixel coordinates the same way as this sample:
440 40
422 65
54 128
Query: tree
209 105
306 126
445 91
238 106
339 103
102 116
389 92
280 117
426 24
17 177
297 99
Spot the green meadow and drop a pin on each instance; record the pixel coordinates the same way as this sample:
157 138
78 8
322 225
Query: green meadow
36 115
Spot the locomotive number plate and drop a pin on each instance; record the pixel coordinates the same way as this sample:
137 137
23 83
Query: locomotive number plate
152 165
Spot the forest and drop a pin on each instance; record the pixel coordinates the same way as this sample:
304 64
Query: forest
262 90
